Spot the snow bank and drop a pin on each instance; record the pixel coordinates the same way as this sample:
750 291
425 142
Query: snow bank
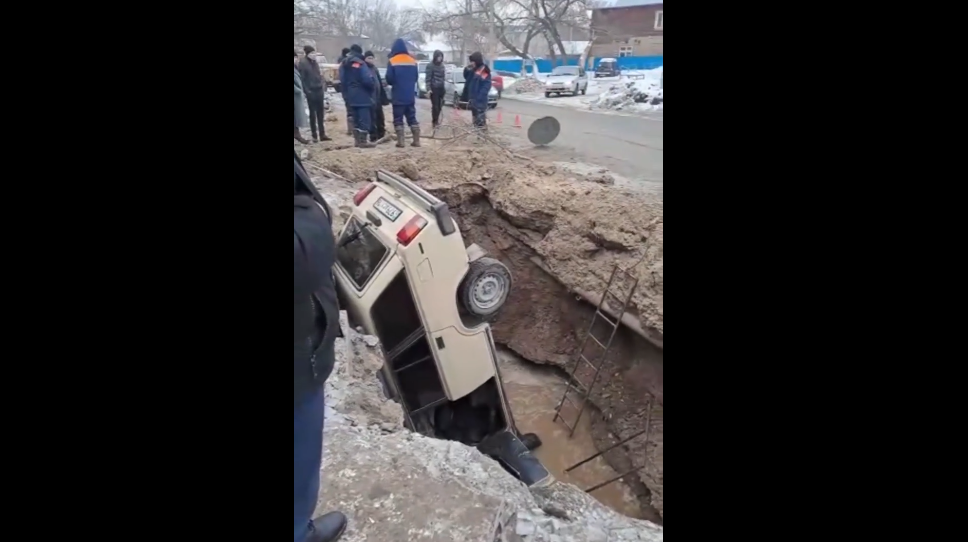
638 92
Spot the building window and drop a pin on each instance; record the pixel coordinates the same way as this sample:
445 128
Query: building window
626 52
658 21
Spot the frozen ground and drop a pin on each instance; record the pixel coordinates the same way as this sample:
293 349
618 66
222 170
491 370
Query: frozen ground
615 95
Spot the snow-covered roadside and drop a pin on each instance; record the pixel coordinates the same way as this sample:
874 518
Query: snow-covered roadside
636 92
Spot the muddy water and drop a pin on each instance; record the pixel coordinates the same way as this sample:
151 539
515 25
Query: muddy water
534 394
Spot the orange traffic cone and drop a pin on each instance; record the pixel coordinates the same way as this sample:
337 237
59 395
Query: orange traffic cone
500 117
517 121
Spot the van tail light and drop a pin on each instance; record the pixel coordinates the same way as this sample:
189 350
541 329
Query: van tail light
411 231
361 196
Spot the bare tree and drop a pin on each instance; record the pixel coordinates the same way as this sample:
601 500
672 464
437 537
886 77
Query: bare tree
381 21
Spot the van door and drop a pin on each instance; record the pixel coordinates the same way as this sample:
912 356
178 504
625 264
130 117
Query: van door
466 362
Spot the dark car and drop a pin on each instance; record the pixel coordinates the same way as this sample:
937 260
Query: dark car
608 68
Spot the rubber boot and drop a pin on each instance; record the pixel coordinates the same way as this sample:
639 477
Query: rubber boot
349 126
361 140
401 137
415 130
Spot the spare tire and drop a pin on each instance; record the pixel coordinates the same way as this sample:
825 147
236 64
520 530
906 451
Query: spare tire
486 288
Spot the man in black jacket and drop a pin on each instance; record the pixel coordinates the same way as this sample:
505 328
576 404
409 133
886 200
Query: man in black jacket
315 322
436 74
315 87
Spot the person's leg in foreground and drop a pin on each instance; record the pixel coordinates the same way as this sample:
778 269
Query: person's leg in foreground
315 330
307 447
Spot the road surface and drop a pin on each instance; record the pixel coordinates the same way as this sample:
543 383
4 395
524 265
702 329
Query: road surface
629 146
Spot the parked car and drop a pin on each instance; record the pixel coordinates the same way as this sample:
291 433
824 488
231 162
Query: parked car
406 277
567 80
608 67
422 90
454 89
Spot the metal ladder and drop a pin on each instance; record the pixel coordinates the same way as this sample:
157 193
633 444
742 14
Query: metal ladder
574 385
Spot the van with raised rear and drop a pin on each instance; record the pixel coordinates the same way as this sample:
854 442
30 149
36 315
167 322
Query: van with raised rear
406 277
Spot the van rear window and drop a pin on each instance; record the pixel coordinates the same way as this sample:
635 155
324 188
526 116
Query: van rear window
361 257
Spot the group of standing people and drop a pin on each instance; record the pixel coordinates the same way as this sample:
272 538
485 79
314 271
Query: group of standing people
364 93
477 87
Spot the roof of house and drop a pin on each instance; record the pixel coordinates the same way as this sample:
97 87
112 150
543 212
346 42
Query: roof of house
617 4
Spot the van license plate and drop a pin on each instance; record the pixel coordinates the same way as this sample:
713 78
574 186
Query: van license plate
388 210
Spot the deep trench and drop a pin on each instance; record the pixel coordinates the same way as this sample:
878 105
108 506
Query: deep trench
545 324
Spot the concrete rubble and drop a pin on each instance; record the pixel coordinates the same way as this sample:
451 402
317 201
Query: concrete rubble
395 485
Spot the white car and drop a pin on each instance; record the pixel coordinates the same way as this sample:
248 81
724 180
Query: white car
567 80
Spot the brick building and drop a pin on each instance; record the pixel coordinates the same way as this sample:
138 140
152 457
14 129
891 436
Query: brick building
627 28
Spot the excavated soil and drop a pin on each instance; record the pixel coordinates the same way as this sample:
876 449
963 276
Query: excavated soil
561 234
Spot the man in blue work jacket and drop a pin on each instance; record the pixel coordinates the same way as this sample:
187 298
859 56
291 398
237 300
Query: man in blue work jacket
478 77
402 75
360 90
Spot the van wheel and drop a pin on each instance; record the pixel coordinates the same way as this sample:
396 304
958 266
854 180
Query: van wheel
486 288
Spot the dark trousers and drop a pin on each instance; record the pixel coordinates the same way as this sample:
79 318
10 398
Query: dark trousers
437 100
480 117
317 112
362 119
379 127
405 111
308 418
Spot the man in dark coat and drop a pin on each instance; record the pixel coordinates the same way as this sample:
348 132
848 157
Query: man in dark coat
360 88
402 75
342 90
379 123
316 325
315 87
436 74
478 86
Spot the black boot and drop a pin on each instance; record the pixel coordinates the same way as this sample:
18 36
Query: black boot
328 528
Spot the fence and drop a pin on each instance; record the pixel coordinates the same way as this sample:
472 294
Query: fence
546 66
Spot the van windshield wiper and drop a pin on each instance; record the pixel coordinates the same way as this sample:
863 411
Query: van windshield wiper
356 236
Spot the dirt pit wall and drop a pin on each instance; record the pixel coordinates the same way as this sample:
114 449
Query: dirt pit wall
560 234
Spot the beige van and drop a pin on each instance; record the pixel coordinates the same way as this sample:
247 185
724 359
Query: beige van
405 275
